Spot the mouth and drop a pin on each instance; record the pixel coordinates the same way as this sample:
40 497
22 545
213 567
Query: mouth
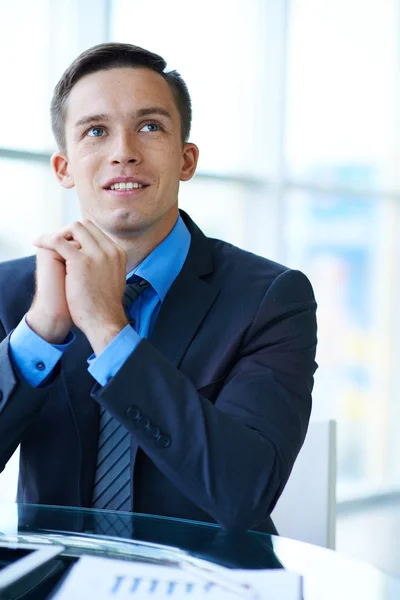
125 186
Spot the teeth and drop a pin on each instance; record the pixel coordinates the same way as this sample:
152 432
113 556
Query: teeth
125 186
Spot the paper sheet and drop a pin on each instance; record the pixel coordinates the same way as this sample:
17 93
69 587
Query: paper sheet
108 579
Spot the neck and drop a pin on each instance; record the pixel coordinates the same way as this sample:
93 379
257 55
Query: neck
140 246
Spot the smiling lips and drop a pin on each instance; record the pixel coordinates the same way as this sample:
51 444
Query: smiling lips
125 186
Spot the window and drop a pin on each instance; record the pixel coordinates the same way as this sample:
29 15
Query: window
342 216
296 113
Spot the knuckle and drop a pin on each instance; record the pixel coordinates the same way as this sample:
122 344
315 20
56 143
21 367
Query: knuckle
121 251
114 251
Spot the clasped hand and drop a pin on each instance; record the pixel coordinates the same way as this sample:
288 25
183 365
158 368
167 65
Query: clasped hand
89 271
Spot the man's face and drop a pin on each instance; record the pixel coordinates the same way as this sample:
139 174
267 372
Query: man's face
124 153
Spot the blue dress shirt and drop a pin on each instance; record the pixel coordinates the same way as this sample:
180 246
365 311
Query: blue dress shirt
35 358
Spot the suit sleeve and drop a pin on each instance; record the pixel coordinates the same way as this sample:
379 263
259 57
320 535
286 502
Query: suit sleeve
33 357
232 457
19 402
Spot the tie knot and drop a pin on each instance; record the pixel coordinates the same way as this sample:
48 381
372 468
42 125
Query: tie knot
133 289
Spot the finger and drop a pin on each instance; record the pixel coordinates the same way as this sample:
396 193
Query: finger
59 244
65 233
45 252
103 240
110 249
92 239
78 232
73 243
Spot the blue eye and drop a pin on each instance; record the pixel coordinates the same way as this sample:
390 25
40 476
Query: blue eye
95 132
152 127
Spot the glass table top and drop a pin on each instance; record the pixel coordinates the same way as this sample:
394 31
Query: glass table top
326 574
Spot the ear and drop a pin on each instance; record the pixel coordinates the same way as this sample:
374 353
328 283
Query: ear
190 156
59 164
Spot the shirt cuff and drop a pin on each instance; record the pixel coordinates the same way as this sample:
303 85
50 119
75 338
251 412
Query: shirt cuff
33 357
110 360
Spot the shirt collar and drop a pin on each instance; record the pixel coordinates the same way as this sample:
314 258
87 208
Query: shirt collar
162 266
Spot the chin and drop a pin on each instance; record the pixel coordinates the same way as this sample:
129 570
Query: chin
127 225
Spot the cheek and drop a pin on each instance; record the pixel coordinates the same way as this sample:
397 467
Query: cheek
85 163
84 181
169 175
89 153
171 163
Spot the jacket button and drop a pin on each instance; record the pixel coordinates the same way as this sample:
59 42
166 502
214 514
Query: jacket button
133 413
40 366
163 441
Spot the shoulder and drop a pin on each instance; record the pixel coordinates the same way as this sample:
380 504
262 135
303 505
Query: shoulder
18 270
236 262
209 254
242 275
253 271
254 281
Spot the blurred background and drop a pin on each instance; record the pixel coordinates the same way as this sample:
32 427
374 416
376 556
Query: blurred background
297 116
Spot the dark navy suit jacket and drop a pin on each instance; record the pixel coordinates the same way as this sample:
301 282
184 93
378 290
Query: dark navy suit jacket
217 400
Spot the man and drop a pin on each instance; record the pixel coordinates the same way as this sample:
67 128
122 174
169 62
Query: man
189 398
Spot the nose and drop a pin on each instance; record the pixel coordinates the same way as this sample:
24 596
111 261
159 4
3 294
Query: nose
125 150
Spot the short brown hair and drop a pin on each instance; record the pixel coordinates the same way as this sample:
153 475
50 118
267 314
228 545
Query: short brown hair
110 56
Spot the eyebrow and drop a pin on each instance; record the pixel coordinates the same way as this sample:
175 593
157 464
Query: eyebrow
142 112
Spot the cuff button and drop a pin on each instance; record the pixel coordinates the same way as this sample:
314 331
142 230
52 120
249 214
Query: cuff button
133 413
153 432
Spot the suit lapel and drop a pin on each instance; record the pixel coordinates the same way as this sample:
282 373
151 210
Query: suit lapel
188 300
183 310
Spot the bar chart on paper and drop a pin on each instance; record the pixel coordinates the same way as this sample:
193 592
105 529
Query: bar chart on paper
108 579
104 579
169 587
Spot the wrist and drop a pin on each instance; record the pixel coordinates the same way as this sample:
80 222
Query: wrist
53 331
100 335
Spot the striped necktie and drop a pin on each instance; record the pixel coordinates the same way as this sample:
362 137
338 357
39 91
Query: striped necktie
112 488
